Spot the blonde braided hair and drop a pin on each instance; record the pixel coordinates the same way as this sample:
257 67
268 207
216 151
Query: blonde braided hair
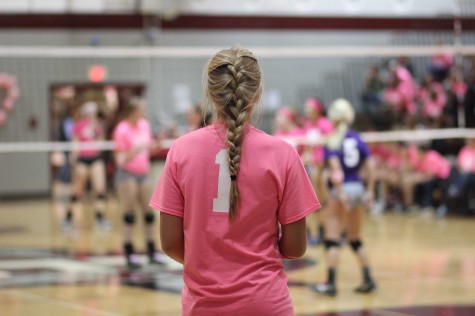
233 85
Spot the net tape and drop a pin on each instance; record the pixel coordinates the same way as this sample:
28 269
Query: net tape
370 137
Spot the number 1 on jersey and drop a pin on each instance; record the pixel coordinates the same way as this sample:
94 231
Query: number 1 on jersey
221 202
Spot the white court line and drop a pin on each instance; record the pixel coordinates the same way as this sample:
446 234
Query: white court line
68 305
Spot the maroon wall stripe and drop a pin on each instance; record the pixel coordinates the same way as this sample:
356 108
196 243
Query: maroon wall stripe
190 22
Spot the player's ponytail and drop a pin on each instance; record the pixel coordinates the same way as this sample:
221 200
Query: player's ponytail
233 86
341 113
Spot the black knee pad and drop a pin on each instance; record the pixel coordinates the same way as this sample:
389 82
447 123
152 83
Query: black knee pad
356 245
101 196
330 244
149 218
129 218
75 198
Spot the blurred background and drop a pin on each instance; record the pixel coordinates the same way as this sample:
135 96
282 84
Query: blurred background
407 67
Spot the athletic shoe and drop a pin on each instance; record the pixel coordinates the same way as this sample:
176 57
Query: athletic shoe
325 289
366 287
133 266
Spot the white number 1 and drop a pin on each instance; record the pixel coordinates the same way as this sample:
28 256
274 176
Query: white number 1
221 202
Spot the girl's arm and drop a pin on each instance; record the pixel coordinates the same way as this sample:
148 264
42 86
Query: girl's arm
293 242
172 237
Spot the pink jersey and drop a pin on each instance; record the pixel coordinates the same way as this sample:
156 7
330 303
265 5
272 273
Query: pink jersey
315 130
433 105
127 137
289 136
466 159
435 164
234 268
87 131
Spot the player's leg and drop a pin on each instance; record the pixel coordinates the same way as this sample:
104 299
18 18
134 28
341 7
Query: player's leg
355 223
333 230
145 192
127 190
98 179
79 178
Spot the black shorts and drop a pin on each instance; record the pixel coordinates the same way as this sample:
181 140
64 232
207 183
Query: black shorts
88 160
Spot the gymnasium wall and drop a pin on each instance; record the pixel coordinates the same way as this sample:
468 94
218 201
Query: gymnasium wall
292 79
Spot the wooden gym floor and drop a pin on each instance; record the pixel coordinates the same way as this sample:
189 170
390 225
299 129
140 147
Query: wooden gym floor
423 266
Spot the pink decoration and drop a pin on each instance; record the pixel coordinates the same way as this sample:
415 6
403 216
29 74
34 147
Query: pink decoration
12 92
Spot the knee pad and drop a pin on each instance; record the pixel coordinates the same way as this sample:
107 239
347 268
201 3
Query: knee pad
129 219
149 218
330 244
101 196
356 245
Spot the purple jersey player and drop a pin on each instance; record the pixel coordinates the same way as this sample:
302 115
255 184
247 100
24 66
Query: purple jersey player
352 154
346 154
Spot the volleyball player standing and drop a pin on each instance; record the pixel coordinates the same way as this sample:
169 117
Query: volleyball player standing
133 139
222 195
346 154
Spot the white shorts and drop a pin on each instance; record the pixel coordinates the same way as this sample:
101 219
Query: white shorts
354 192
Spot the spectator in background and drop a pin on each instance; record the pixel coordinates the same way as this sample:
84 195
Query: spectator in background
464 178
456 91
440 65
405 62
429 170
372 95
400 92
433 100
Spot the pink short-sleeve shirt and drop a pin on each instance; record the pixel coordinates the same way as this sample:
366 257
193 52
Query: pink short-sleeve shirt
127 137
466 159
234 268
86 131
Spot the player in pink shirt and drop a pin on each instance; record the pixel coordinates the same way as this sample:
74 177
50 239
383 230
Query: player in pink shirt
316 126
287 128
223 194
133 141
88 163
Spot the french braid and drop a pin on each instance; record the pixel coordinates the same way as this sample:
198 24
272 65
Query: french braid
233 85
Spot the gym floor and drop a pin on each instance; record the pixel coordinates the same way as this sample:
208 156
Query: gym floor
423 266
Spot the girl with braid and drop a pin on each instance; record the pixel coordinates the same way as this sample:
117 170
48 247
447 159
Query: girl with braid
346 154
133 143
225 191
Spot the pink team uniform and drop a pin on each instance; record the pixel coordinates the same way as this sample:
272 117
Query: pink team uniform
127 137
85 132
401 97
466 159
234 268
289 135
435 164
315 130
432 106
